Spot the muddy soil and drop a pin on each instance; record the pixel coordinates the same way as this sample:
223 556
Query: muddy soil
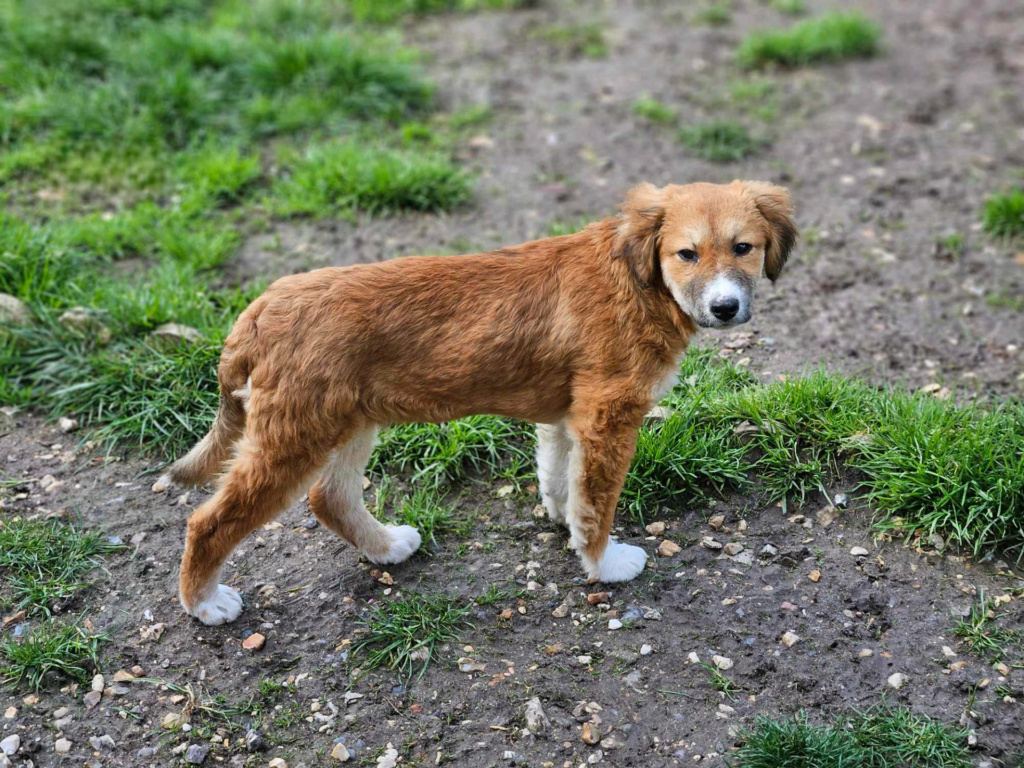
860 620
884 157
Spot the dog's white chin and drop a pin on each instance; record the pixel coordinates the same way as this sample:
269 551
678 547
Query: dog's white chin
620 562
711 322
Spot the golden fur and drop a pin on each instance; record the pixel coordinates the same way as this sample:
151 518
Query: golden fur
578 331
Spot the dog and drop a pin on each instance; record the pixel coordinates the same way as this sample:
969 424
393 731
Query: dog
579 334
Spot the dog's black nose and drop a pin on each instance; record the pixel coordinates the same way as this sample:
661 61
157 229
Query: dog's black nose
725 309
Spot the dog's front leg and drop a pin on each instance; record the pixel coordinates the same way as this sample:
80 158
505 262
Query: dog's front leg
553 447
598 461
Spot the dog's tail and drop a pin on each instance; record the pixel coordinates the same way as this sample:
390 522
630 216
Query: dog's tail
207 457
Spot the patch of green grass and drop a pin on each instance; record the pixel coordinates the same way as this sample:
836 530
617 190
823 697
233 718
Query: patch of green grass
654 111
719 140
425 511
952 246
982 634
63 650
790 7
495 594
560 227
576 40
388 11
926 465
161 134
679 460
828 38
755 96
721 683
717 14
343 176
880 737
45 563
1004 214
160 401
86 73
469 117
1005 301
401 633
440 454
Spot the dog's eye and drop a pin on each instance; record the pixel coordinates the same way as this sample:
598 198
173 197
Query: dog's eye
687 255
741 248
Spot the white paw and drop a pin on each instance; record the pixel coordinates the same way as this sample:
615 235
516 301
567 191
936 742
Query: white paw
555 508
620 562
222 607
404 541
162 484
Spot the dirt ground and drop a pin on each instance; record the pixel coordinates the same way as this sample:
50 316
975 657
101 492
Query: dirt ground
884 158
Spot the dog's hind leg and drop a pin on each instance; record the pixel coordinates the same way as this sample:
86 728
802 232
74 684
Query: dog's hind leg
598 461
553 446
337 502
264 479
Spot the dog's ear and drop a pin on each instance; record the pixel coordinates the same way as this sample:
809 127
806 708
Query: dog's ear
643 211
774 204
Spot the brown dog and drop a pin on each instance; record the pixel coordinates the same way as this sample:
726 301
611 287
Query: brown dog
580 334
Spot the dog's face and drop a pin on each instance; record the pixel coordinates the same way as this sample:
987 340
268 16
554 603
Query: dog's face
708 244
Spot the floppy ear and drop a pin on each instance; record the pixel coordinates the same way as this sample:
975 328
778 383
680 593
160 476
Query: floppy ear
775 206
639 231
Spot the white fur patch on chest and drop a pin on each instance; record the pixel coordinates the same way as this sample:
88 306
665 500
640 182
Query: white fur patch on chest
667 381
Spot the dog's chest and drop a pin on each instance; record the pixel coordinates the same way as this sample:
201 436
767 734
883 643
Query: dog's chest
667 380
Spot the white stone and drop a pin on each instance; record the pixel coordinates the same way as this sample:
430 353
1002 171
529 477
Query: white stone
897 680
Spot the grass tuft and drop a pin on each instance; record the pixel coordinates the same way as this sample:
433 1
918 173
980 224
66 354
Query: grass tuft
654 111
879 737
982 635
790 7
51 649
425 511
45 563
388 11
438 455
719 140
717 14
828 38
401 633
576 40
345 176
1004 214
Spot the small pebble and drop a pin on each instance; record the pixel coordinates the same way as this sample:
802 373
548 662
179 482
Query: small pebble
668 548
62 746
254 642
11 744
614 624
859 552
897 680
340 753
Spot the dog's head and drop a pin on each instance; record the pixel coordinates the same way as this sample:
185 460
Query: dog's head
708 244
